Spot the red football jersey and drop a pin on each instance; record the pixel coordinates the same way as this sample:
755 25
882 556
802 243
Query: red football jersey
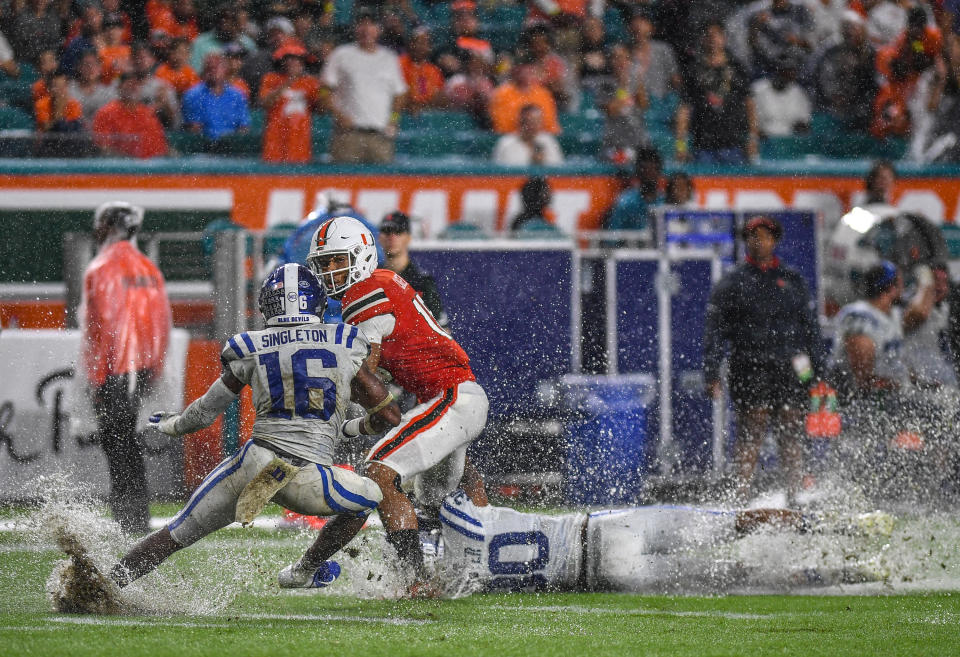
420 355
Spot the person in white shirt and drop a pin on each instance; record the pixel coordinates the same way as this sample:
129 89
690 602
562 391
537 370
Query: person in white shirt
783 107
367 91
530 145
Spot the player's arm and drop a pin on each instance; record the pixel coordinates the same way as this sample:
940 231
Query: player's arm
204 410
373 360
382 411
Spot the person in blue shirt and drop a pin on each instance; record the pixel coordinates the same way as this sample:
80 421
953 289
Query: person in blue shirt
631 210
213 107
297 246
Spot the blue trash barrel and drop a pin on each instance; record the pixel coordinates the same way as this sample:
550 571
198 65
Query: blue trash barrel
607 436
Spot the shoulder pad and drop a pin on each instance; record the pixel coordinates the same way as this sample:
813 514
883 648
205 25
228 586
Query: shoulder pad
239 346
368 301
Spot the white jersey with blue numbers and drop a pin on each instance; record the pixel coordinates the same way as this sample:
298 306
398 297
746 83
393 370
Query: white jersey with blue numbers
509 550
300 378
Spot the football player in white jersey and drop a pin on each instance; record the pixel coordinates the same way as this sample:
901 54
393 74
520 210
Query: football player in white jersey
302 374
651 549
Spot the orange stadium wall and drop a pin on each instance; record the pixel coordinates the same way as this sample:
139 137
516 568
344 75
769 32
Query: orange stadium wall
257 201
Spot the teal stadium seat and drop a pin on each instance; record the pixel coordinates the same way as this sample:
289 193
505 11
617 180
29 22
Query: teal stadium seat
12 118
538 229
463 231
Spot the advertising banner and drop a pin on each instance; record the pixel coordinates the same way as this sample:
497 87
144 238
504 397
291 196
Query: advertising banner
47 423
259 201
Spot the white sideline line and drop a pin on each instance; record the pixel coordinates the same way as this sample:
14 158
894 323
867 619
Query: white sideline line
641 612
154 622
263 522
32 628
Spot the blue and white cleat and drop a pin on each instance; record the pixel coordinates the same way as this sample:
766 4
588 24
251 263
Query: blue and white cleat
293 577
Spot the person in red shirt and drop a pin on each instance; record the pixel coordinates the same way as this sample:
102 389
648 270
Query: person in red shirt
423 78
125 318
426 452
127 127
177 70
289 97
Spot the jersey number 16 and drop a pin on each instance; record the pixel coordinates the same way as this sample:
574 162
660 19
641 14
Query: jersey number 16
301 383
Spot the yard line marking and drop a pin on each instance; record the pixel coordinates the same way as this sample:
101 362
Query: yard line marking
32 628
642 612
337 617
164 622
132 622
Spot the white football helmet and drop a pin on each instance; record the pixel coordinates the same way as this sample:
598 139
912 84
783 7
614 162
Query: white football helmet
338 236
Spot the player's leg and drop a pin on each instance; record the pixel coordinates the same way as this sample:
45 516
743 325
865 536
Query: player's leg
211 507
472 484
398 516
426 436
323 490
431 486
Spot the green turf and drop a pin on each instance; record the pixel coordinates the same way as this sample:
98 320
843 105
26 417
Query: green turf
263 620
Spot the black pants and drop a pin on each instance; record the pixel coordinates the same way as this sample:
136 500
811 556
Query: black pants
117 408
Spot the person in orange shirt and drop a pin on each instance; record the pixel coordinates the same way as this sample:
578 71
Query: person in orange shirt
917 49
424 78
127 127
58 111
289 96
114 53
177 70
125 318
47 65
523 89
178 18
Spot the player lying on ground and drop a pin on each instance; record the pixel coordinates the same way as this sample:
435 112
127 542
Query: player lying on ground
302 373
651 549
428 448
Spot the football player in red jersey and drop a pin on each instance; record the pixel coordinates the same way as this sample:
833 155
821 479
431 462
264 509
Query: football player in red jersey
428 448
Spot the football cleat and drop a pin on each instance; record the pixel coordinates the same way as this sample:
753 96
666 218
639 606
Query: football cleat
293 577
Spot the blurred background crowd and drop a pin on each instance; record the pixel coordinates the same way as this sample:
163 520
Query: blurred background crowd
520 82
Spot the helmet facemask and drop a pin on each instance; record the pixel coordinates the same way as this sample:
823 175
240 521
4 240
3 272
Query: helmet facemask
343 236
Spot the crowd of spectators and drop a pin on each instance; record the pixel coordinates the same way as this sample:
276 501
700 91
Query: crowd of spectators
736 72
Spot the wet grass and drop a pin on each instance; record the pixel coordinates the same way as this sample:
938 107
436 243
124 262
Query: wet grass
263 620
